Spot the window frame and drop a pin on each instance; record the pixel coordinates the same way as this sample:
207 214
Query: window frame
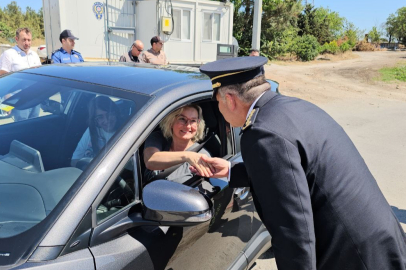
212 40
182 39
101 231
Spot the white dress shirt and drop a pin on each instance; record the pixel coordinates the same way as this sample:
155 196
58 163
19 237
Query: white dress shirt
15 59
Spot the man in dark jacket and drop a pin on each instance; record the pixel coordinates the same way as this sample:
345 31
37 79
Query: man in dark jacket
311 188
133 54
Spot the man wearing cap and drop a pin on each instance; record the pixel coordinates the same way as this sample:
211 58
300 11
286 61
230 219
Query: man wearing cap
132 55
255 52
311 187
66 54
17 58
155 55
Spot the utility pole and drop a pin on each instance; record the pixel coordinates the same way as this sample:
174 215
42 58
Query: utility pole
256 29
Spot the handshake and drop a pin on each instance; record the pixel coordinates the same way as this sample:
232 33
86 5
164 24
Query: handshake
211 167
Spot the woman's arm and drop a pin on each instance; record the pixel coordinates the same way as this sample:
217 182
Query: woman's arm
83 148
161 160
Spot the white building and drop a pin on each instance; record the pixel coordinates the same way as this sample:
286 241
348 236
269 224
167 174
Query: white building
107 28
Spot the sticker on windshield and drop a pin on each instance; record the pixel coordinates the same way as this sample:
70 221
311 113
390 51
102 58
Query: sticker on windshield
4 254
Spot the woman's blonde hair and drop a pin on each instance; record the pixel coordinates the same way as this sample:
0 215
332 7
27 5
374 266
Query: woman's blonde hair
167 123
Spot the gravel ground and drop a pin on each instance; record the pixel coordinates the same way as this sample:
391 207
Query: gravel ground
371 112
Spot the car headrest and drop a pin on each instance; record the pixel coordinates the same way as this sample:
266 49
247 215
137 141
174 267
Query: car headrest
209 115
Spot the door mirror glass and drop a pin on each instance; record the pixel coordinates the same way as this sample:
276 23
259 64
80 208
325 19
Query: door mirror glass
172 203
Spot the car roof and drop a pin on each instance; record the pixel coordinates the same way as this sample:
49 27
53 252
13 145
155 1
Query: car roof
142 78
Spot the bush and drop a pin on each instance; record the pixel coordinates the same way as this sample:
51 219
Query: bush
306 47
331 47
345 47
365 46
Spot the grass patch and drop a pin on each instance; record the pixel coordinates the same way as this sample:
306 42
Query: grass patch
395 73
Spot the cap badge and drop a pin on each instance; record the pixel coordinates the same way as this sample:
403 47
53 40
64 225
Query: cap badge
217 84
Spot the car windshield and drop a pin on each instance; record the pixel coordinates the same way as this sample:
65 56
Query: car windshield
50 130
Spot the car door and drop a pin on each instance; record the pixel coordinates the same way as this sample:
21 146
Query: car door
146 245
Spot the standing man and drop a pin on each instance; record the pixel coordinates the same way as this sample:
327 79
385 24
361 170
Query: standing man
311 187
66 54
20 56
17 58
155 55
132 55
255 52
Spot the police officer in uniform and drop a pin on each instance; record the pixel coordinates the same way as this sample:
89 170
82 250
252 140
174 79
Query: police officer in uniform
311 187
66 54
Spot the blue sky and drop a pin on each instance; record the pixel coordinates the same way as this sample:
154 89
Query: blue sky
363 13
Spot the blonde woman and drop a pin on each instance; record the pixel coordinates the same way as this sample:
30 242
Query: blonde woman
180 130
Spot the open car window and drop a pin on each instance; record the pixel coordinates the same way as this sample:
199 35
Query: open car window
50 131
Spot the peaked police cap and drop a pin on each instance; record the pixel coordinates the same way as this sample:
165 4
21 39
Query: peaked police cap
233 70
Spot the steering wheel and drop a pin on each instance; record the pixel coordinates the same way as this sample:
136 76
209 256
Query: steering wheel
119 190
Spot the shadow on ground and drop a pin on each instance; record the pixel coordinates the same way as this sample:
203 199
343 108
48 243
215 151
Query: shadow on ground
400 214
266 255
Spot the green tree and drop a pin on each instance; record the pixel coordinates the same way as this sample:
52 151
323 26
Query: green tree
321 23
278 25
352 33
396 24
332 19
374 35
12 18
390 27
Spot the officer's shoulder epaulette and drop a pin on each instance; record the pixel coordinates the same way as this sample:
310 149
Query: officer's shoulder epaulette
73 51
57 50
250 119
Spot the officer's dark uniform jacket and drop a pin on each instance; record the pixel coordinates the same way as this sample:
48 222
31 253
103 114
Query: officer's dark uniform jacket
314 192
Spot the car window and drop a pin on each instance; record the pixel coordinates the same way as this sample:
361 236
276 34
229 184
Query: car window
121 194
9 114
42 157
229 136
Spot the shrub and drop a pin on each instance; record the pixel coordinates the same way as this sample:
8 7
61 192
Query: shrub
331 47
306 47
345 47
365 46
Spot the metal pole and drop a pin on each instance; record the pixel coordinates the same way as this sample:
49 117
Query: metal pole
107 30
256 30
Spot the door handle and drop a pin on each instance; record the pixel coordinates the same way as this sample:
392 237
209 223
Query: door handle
242 193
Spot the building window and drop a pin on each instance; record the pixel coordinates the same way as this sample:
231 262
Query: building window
211 26
181 27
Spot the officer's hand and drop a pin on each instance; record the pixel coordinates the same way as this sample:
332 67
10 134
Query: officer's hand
220 166
198 164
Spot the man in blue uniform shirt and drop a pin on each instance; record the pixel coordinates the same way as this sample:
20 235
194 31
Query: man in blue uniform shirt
66 54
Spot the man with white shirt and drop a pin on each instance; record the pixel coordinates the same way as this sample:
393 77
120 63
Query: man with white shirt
310 186
17 58
20 56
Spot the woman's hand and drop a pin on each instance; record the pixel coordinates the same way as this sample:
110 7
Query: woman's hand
196 160
219 167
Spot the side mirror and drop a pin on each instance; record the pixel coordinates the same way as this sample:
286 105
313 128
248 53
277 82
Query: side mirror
52 106
174 204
